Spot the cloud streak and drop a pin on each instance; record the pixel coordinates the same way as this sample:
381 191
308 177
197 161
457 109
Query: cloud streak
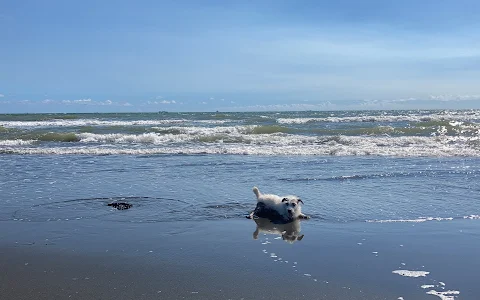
84 102
162 102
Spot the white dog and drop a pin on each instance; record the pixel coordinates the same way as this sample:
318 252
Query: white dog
273 207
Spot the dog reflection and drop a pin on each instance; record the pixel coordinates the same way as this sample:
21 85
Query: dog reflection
290 232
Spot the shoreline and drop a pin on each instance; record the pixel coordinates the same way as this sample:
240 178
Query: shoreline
221 260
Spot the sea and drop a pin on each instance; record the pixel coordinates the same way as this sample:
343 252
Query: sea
406 179
339 133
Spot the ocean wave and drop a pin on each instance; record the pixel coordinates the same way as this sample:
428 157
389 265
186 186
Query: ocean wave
353 177
57 137
249 137
269 129
428 119
425 219
10 143
232 130
205 135
416 220
100 122
472 217
147 144
89 122
365 145
386 118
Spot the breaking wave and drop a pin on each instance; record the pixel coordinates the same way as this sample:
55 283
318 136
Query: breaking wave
147 144
425 219
447 133
388 118
96 122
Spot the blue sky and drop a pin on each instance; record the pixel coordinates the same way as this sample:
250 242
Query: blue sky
95 56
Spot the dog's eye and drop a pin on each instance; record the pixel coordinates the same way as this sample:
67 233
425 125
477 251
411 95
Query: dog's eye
293 204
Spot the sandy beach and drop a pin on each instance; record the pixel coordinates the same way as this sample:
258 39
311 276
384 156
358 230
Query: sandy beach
221 260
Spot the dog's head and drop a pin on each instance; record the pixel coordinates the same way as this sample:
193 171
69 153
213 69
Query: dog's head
292 206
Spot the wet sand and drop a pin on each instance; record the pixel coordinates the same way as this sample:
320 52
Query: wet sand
91 259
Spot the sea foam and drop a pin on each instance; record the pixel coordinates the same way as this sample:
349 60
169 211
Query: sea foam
408 273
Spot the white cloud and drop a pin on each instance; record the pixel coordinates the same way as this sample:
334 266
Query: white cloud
454 97
412 100
162 102
15 102
81 101
2 95
87 101
285 107
159 97
78 101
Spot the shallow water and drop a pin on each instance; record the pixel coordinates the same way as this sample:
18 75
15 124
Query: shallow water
208 187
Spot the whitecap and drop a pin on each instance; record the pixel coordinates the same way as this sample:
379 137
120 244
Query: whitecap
17 142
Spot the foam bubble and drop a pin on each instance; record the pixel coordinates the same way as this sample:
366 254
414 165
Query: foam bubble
408 273
11 143
427 286
418 220
446 295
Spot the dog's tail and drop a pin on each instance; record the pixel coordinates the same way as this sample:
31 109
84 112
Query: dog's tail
256 191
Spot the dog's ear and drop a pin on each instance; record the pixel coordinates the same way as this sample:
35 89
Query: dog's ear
284 200
300 200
